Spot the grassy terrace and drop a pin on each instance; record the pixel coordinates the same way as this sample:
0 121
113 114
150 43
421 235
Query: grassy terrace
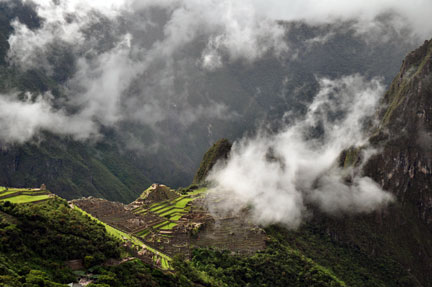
23 195
171 210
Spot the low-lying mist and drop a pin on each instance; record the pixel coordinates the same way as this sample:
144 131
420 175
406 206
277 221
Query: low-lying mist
281 177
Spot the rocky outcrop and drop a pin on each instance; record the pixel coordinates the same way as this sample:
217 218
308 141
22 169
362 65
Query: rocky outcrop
219 150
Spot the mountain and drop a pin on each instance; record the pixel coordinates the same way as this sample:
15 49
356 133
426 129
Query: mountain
43 240
395 243
130 155
218 151
47 241
391 246
165 236
73 169
170 237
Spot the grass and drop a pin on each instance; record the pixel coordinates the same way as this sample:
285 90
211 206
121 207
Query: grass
169 226
164 262
172 210
25 198
198 191
3 193
161 209
174 214
160 224
182 203
176 217
23 195
143 233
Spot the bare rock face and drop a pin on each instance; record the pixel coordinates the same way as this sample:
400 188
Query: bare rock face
404 166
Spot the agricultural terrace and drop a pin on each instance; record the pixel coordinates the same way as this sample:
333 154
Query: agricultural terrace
170 211
24 195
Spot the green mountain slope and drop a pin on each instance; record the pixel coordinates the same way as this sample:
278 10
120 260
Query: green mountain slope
218 151
42 241
72 169
37 239
391 247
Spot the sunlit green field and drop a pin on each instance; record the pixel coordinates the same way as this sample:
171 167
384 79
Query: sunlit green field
26 198
23 195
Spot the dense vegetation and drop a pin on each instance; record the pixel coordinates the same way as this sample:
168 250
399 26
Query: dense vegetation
219 150
132 274
358 255
72 169
277 265
37 239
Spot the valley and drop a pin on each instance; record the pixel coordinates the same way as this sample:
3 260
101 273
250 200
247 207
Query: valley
215 143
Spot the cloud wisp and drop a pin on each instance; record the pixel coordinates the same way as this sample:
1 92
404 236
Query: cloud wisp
21 120
136 61
280 176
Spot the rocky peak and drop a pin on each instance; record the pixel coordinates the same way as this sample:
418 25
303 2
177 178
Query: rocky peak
219 150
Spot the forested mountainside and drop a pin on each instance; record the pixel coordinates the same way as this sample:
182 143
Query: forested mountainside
96 221
170 237
129 156
50 243
71 168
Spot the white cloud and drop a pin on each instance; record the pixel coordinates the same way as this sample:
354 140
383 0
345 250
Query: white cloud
414 14
20 120
120 76
279 174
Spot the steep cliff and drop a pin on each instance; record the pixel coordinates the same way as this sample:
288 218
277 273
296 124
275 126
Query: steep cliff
219 150
405 164
398 237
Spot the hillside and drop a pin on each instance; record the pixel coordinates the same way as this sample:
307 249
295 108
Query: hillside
171 237
72 169
50 243
44 240
109 210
